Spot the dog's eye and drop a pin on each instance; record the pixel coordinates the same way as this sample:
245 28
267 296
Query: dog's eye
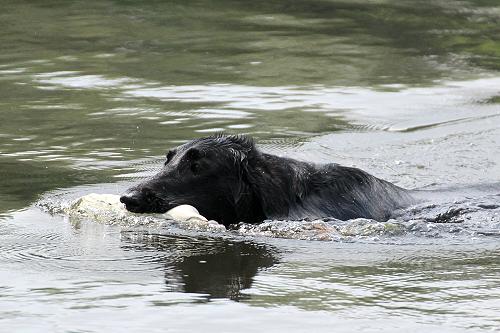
170 154
195 167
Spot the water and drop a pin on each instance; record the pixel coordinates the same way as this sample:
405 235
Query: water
94 93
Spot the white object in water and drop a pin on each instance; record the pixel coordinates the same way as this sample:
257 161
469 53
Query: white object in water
102 204
184 213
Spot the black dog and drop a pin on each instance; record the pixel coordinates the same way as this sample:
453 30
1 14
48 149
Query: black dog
229 180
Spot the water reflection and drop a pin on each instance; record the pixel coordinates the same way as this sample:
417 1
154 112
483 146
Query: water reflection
216 268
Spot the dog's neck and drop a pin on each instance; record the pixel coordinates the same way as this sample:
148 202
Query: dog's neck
269 181
248 207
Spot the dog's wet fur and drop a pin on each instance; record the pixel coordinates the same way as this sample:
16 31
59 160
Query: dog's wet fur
229 180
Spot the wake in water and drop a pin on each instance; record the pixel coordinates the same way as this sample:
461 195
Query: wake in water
453 213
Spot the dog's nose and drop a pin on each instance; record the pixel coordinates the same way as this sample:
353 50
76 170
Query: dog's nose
132 200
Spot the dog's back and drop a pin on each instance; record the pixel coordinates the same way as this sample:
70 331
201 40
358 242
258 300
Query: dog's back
291 189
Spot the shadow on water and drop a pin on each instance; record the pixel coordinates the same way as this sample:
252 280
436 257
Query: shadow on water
216 268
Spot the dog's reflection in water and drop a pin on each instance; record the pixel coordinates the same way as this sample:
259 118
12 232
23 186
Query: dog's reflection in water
216 268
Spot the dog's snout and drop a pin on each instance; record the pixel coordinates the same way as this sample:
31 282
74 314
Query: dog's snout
141 200
132 200
129 198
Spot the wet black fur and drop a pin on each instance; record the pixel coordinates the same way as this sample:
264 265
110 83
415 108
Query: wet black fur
229 180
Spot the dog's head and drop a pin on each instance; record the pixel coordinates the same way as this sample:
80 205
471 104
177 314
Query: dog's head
207 173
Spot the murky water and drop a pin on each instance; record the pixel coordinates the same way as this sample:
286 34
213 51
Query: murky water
93 93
